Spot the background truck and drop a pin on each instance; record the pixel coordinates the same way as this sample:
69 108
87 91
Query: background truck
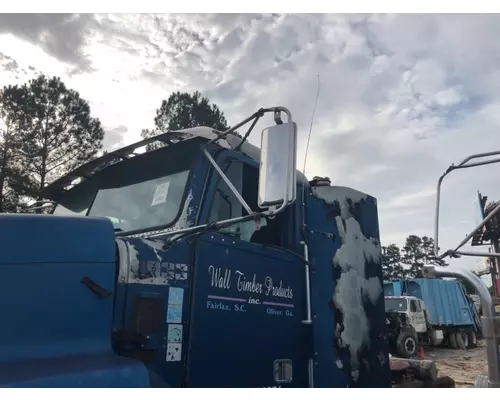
204 263
437 311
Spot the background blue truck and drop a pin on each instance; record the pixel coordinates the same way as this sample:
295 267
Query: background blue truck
450 314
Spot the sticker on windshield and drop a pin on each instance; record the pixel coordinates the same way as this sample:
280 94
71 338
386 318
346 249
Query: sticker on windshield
161 192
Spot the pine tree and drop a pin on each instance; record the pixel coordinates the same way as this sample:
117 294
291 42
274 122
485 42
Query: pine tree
391 262
182 111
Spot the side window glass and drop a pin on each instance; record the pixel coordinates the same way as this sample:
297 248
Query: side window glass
413 306
225 205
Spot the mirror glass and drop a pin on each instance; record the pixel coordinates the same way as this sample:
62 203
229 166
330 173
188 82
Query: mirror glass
277 175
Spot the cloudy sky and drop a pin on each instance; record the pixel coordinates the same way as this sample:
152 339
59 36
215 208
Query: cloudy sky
401 96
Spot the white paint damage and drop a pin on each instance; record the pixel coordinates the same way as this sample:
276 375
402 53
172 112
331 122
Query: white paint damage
183 221
156 246
128 260
353 288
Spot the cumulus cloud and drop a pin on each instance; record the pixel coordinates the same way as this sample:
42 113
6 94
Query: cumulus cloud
60 35
402 96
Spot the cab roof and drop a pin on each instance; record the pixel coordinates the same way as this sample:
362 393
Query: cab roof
89 169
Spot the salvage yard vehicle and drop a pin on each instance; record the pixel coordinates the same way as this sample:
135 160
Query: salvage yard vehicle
437 312
401 334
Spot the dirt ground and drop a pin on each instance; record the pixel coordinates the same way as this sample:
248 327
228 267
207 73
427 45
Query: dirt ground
461 365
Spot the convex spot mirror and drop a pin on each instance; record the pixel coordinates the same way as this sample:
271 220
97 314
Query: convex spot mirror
278 166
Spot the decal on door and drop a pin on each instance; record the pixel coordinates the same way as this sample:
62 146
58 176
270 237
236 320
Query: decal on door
174 333
174 352
244 291
174 345
175 303
174 320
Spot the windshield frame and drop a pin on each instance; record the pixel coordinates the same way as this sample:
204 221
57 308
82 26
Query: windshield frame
93 182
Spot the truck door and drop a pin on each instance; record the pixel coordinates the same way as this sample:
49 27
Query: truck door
417 316
248 294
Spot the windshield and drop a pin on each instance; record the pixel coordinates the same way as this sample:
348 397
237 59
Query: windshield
145 204
143 192
396 304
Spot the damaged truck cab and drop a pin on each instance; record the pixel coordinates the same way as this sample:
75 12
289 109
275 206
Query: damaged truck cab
203 262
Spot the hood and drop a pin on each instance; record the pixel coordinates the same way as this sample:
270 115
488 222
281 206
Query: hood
40 238
57 286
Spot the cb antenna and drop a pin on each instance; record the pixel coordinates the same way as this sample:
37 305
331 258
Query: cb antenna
310 128
305 156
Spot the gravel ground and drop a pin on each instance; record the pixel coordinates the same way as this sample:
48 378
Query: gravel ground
461 365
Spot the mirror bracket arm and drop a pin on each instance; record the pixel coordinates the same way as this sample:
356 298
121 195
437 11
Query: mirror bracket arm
277 117
228 182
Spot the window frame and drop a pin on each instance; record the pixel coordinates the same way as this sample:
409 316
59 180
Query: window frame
194 165
224 159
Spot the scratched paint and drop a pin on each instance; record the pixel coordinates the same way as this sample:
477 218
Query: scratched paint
128 260
353 288
148 271
156 245
183 221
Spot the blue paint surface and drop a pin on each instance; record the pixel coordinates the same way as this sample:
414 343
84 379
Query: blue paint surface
48 314
394 287
445 300
29 238
247 313
332 360
75 372
174 295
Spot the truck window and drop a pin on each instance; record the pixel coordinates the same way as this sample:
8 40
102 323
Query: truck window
142 205
225 205
413 306
140 193
395 304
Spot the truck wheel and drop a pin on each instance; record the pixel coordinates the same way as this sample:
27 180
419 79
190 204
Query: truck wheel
462 339
407 344
472 339
453 340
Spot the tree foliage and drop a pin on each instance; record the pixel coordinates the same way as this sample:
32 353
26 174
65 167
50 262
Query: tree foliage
391 262
408 261
12 103
185 110
45 131
61 134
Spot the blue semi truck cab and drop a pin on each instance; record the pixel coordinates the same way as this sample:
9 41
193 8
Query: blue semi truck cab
205 262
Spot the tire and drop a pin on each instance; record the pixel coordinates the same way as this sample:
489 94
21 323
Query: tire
472 339
453 340
462 340
407 344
